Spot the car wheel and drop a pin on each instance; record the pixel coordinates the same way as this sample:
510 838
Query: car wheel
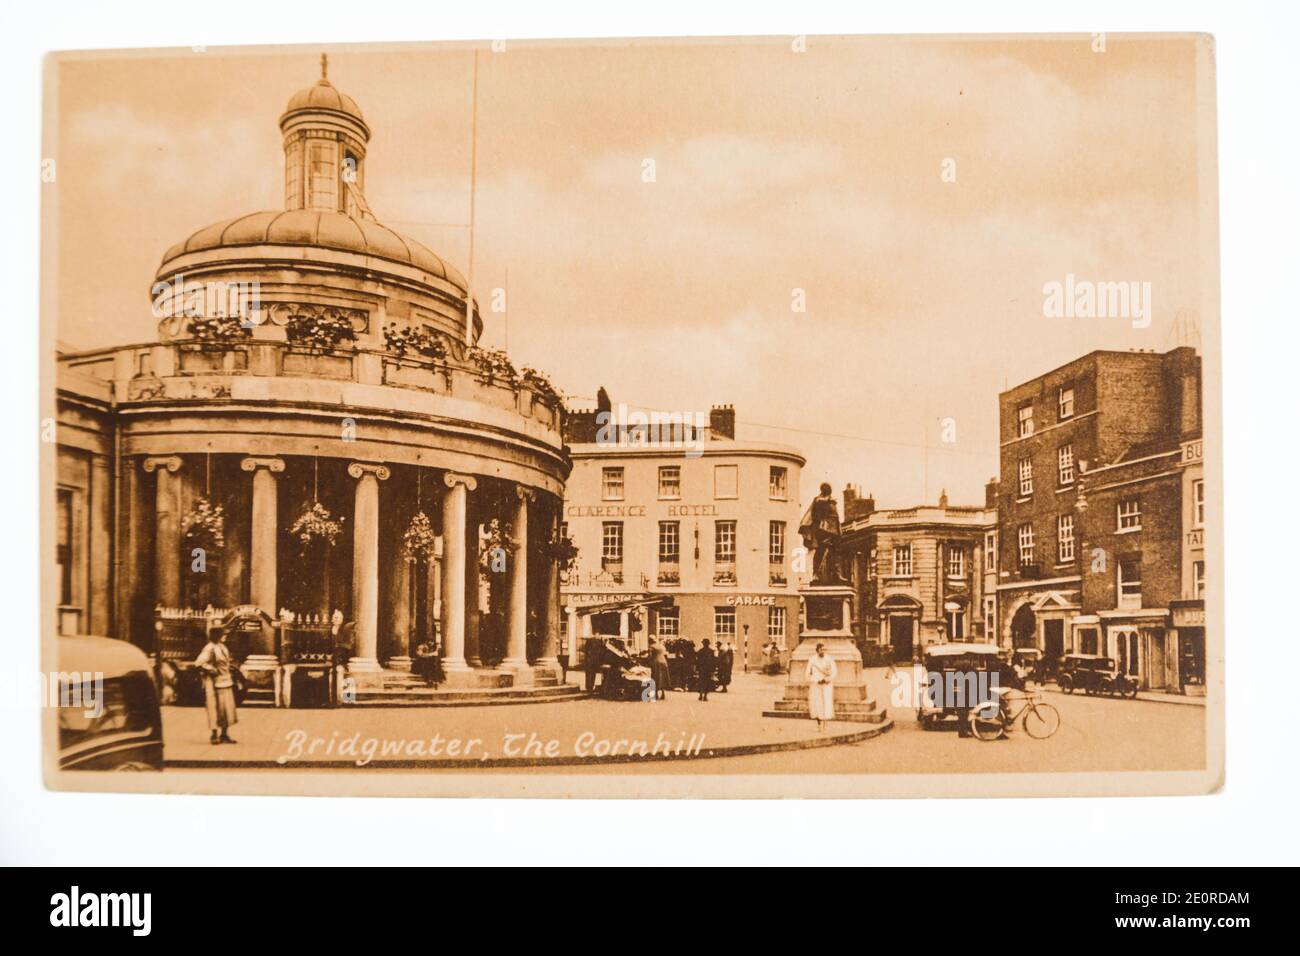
1066 684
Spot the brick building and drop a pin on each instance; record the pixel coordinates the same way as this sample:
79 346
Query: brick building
1091 508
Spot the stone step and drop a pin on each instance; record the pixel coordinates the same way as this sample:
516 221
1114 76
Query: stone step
855 714
841 706
462 697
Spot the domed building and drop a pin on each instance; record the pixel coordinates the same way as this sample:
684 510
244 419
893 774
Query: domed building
316 451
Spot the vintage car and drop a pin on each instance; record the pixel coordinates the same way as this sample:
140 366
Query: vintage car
958 676
1094 674
107 705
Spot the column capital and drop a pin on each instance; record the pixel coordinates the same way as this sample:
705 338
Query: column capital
451 479
171 463
270 464
359 469
526 494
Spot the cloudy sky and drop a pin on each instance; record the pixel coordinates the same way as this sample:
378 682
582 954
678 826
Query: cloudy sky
774 171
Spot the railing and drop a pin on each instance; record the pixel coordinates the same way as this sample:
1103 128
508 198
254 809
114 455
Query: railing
181 632
146 368
724 573
306 643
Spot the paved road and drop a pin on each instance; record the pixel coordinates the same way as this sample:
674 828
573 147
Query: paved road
1097 734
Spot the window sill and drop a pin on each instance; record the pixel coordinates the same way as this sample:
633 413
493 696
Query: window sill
1062 489
1024 499
1128 530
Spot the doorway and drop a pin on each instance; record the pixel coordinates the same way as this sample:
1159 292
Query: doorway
1023 628
901 636
1053 645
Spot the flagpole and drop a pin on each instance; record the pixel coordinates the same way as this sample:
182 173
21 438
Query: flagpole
473 183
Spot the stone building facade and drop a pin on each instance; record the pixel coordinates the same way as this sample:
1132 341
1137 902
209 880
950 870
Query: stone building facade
316 377
919 574
682 533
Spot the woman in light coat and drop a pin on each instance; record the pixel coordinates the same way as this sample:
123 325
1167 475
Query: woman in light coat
821 687
216 665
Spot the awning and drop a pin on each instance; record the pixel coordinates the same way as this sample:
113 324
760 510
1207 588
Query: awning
650 601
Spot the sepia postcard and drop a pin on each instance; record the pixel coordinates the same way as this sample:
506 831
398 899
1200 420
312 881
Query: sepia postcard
797 416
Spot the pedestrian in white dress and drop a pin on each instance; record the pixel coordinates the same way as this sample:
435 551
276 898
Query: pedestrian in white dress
821 688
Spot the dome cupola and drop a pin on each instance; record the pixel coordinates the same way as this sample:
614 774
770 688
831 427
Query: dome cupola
325 139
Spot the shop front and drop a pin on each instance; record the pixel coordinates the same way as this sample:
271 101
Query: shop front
1189 630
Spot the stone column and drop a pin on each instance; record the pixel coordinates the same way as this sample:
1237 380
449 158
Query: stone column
473 582
364 666
548 657
167 531
516 658
263 570
455 505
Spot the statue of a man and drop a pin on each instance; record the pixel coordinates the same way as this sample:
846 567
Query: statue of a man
820 530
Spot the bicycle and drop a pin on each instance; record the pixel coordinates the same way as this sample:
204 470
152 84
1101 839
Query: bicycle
993 718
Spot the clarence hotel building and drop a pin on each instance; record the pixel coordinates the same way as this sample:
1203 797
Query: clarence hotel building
688 533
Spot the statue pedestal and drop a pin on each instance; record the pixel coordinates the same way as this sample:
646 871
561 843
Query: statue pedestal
828 620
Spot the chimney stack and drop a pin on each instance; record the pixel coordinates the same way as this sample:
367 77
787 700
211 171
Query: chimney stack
991 493
722 421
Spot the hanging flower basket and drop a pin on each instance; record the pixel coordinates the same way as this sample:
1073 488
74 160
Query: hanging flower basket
419 543
204 526
316 525
496 537
562 551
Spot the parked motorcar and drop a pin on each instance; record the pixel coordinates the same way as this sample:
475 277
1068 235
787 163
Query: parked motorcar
109 717
1094 674
957 677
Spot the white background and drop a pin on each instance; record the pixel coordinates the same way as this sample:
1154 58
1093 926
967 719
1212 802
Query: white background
1250 821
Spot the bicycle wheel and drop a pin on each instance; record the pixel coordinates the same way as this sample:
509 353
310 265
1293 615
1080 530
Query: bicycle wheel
1041 721
986 721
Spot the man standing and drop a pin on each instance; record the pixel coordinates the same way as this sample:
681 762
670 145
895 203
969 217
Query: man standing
592 656
726 662
659 669
704 668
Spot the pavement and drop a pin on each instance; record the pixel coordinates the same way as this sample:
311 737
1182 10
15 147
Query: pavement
1153 696
725 735
564 733
1097 735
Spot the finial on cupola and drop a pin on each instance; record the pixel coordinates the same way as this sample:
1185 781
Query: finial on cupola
324 67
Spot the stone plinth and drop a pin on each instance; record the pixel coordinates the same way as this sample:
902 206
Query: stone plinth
828 615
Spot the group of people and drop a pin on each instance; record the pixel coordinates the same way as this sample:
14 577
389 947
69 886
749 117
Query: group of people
710 666
713 668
